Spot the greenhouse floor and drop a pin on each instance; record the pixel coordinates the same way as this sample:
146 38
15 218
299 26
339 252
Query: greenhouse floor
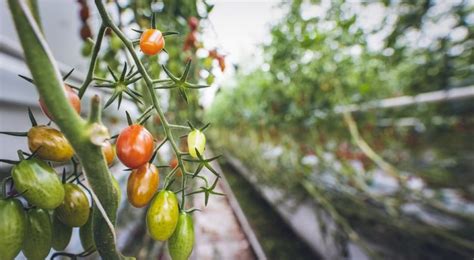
218 231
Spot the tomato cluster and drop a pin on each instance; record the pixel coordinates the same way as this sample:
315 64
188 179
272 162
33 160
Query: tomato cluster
219 57
55 207
191 41
51 208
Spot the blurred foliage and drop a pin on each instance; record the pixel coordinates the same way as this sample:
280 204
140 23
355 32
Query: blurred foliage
282 119
369 51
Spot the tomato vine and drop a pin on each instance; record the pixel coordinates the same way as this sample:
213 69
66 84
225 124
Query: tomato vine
90 139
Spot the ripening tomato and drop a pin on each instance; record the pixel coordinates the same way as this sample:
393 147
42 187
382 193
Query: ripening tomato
39 183
49 144
181 243
162 215
108 150
174 164
142 185
196 140
152 41
134 146
38 239
73 98
12 228
74 210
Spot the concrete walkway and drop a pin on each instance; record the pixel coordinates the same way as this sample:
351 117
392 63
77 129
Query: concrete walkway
219 235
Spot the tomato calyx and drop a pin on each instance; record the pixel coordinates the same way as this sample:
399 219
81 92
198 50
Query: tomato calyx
120 85
180 83
207 190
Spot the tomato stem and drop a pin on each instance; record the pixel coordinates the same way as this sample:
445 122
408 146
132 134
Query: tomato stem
107 20
93 62
50 86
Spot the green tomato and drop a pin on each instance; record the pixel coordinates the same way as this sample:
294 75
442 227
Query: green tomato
181 242
61 234
37 243
39 183
196 140
162 215
87 235
12 228
115 43
74 210
86 49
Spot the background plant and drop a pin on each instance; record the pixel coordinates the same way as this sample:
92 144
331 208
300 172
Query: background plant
291 119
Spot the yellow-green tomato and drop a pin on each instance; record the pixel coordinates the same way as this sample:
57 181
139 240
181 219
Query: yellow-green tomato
74 210
196 140
61 234
37 243
49 144
181 243
12 228
39 183
162 215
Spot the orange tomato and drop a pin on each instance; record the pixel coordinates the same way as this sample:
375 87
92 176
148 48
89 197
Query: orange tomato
174 164
109 152
134 146
152 42
142 185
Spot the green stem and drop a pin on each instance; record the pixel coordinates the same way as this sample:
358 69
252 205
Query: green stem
107 20
93 62
33 4
50 86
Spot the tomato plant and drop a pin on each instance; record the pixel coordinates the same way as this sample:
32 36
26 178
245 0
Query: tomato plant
61 233
162 215
86 235
134 146
182 241
109 152
84 145
142 184
71 95
74 210
39 183
38 240
152 41
12 227
49 144
196 141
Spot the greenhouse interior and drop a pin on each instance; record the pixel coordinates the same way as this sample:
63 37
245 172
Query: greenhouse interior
237 129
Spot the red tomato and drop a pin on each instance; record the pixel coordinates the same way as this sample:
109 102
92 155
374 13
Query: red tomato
71 96
142 185
193 23
152 42
134 146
